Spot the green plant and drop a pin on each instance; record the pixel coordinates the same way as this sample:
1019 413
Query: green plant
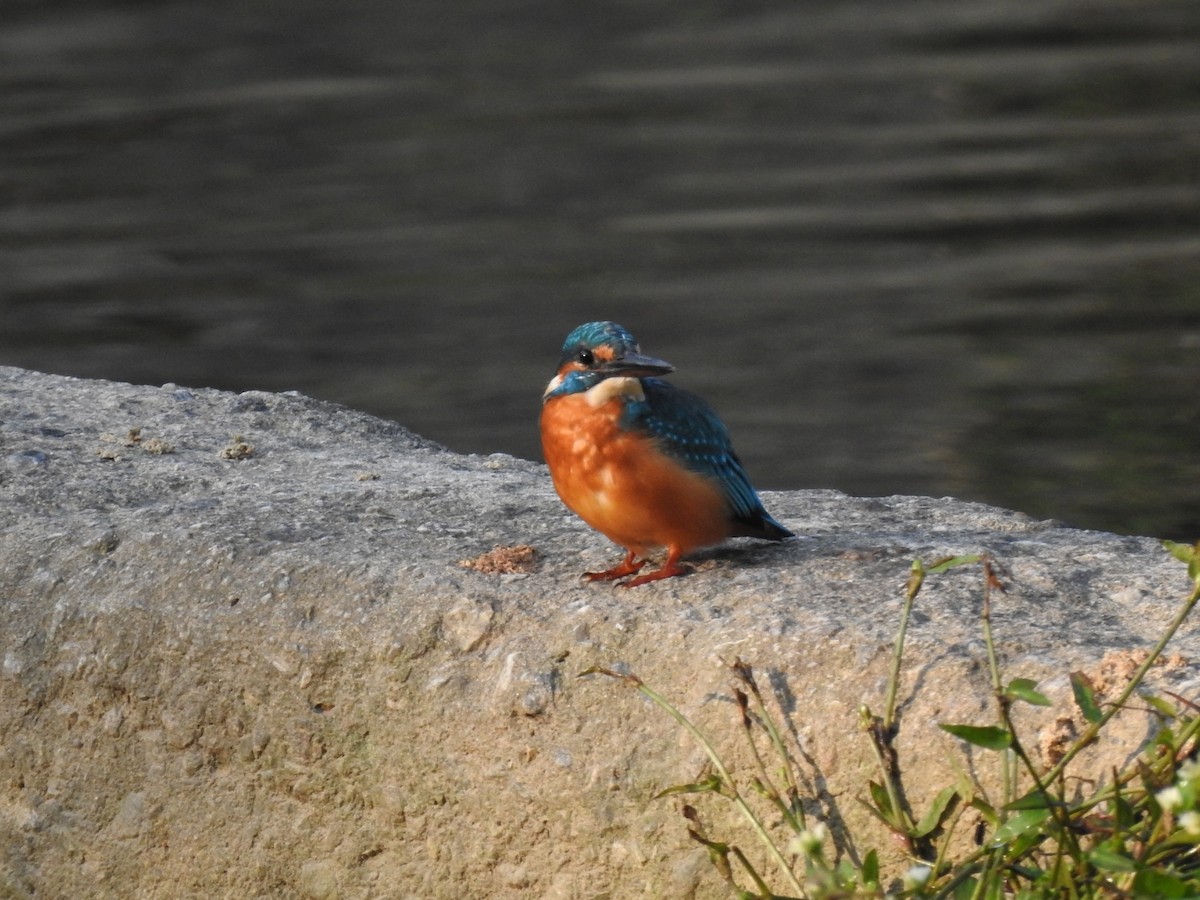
1136 836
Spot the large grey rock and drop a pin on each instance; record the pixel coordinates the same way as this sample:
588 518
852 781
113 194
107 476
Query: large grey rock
271 676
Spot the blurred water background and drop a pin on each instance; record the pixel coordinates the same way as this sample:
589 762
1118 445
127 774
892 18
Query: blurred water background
935 247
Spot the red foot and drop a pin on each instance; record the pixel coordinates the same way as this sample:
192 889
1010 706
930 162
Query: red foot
628 566
669 569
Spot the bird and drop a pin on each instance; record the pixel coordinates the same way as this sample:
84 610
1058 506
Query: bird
647 464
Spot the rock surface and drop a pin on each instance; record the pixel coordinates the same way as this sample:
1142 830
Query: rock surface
240 656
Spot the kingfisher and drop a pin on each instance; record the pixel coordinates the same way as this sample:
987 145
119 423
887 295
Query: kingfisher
643 462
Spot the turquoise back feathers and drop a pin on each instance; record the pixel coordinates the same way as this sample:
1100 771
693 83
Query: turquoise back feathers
688 429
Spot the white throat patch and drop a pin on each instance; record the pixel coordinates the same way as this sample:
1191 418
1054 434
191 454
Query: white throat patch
612 388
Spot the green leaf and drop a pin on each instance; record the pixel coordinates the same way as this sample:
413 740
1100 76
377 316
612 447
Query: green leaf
1124 812
986 810
1178 838
1085 697
710 785
882 802
1111 860
1018 825
933 817
1030 874
1023 845
1182 552
846 874
870 870
1186 553
1159 883
1023 689
1035 799
1164 706
989 736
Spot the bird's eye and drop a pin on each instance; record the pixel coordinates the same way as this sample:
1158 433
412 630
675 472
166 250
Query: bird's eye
586 356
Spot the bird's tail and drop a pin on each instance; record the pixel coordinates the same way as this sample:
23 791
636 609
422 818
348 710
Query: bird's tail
761 526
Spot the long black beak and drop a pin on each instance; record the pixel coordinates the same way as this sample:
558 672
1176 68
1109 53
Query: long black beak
634 365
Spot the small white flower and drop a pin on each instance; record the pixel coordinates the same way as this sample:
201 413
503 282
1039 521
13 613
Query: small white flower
1169 798
808 842
1189 772
1190 822
916 876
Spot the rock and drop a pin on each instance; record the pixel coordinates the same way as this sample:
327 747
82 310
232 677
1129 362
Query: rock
131 817
318 880
467 623
235 673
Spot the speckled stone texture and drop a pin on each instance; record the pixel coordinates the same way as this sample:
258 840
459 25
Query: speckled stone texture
240 656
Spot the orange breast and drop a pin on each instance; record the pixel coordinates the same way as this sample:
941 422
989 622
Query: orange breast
622 485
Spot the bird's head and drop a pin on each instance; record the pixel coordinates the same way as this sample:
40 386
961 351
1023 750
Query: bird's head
600 350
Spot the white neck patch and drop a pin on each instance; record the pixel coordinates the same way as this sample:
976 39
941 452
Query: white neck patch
613 388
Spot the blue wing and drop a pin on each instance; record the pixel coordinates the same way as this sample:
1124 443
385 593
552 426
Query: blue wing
688 429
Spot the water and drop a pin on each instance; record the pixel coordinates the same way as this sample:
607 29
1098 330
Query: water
931 247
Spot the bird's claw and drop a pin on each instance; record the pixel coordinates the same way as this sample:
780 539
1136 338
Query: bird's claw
630 565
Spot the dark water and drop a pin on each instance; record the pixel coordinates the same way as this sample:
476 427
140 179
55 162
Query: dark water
920 247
